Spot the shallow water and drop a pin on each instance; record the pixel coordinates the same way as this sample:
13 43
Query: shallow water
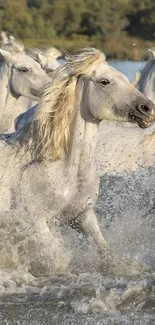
129 68
85 295
88 293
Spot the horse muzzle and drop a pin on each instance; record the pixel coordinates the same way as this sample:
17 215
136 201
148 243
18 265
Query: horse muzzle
144 115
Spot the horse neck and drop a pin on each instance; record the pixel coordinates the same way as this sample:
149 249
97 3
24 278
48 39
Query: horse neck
6 95
146 81
7 100
4 84
84 133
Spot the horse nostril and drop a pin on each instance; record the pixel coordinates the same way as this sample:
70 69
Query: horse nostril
144 109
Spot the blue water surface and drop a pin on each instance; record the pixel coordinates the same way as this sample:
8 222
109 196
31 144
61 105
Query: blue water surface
129 68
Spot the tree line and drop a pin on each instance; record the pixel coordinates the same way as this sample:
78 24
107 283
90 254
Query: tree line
98 20
70 18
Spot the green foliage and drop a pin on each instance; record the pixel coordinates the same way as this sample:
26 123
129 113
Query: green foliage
141 16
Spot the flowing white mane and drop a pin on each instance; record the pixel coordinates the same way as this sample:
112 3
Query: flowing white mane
49 136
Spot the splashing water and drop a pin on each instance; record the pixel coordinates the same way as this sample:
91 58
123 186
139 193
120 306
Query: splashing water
85 294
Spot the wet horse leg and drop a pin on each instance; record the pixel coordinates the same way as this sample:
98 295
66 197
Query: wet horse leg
90 226
46 250
108 262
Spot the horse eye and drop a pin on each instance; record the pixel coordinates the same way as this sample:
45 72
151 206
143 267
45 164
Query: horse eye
105 82
24 70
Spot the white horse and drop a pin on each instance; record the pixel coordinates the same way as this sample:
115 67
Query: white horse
47 63
20 75
146 78
10 44
53 53
8 40
45 59
60 182
145 82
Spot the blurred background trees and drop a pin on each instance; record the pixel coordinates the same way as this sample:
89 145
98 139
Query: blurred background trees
91 21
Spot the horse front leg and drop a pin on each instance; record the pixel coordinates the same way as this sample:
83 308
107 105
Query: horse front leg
109 263
45 249
89 225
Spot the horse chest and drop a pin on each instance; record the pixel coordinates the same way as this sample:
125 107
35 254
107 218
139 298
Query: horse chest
56 191
76 195
47 192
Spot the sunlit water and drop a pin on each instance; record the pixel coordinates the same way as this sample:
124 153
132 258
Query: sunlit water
87 293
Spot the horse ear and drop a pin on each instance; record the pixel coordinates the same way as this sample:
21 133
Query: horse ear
41 59
5 55
151 53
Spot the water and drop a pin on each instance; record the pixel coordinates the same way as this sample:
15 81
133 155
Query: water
86 295
129 68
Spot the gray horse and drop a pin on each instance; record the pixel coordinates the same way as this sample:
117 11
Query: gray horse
55 181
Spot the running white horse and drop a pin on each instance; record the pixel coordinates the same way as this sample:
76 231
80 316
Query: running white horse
60 181
20 75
